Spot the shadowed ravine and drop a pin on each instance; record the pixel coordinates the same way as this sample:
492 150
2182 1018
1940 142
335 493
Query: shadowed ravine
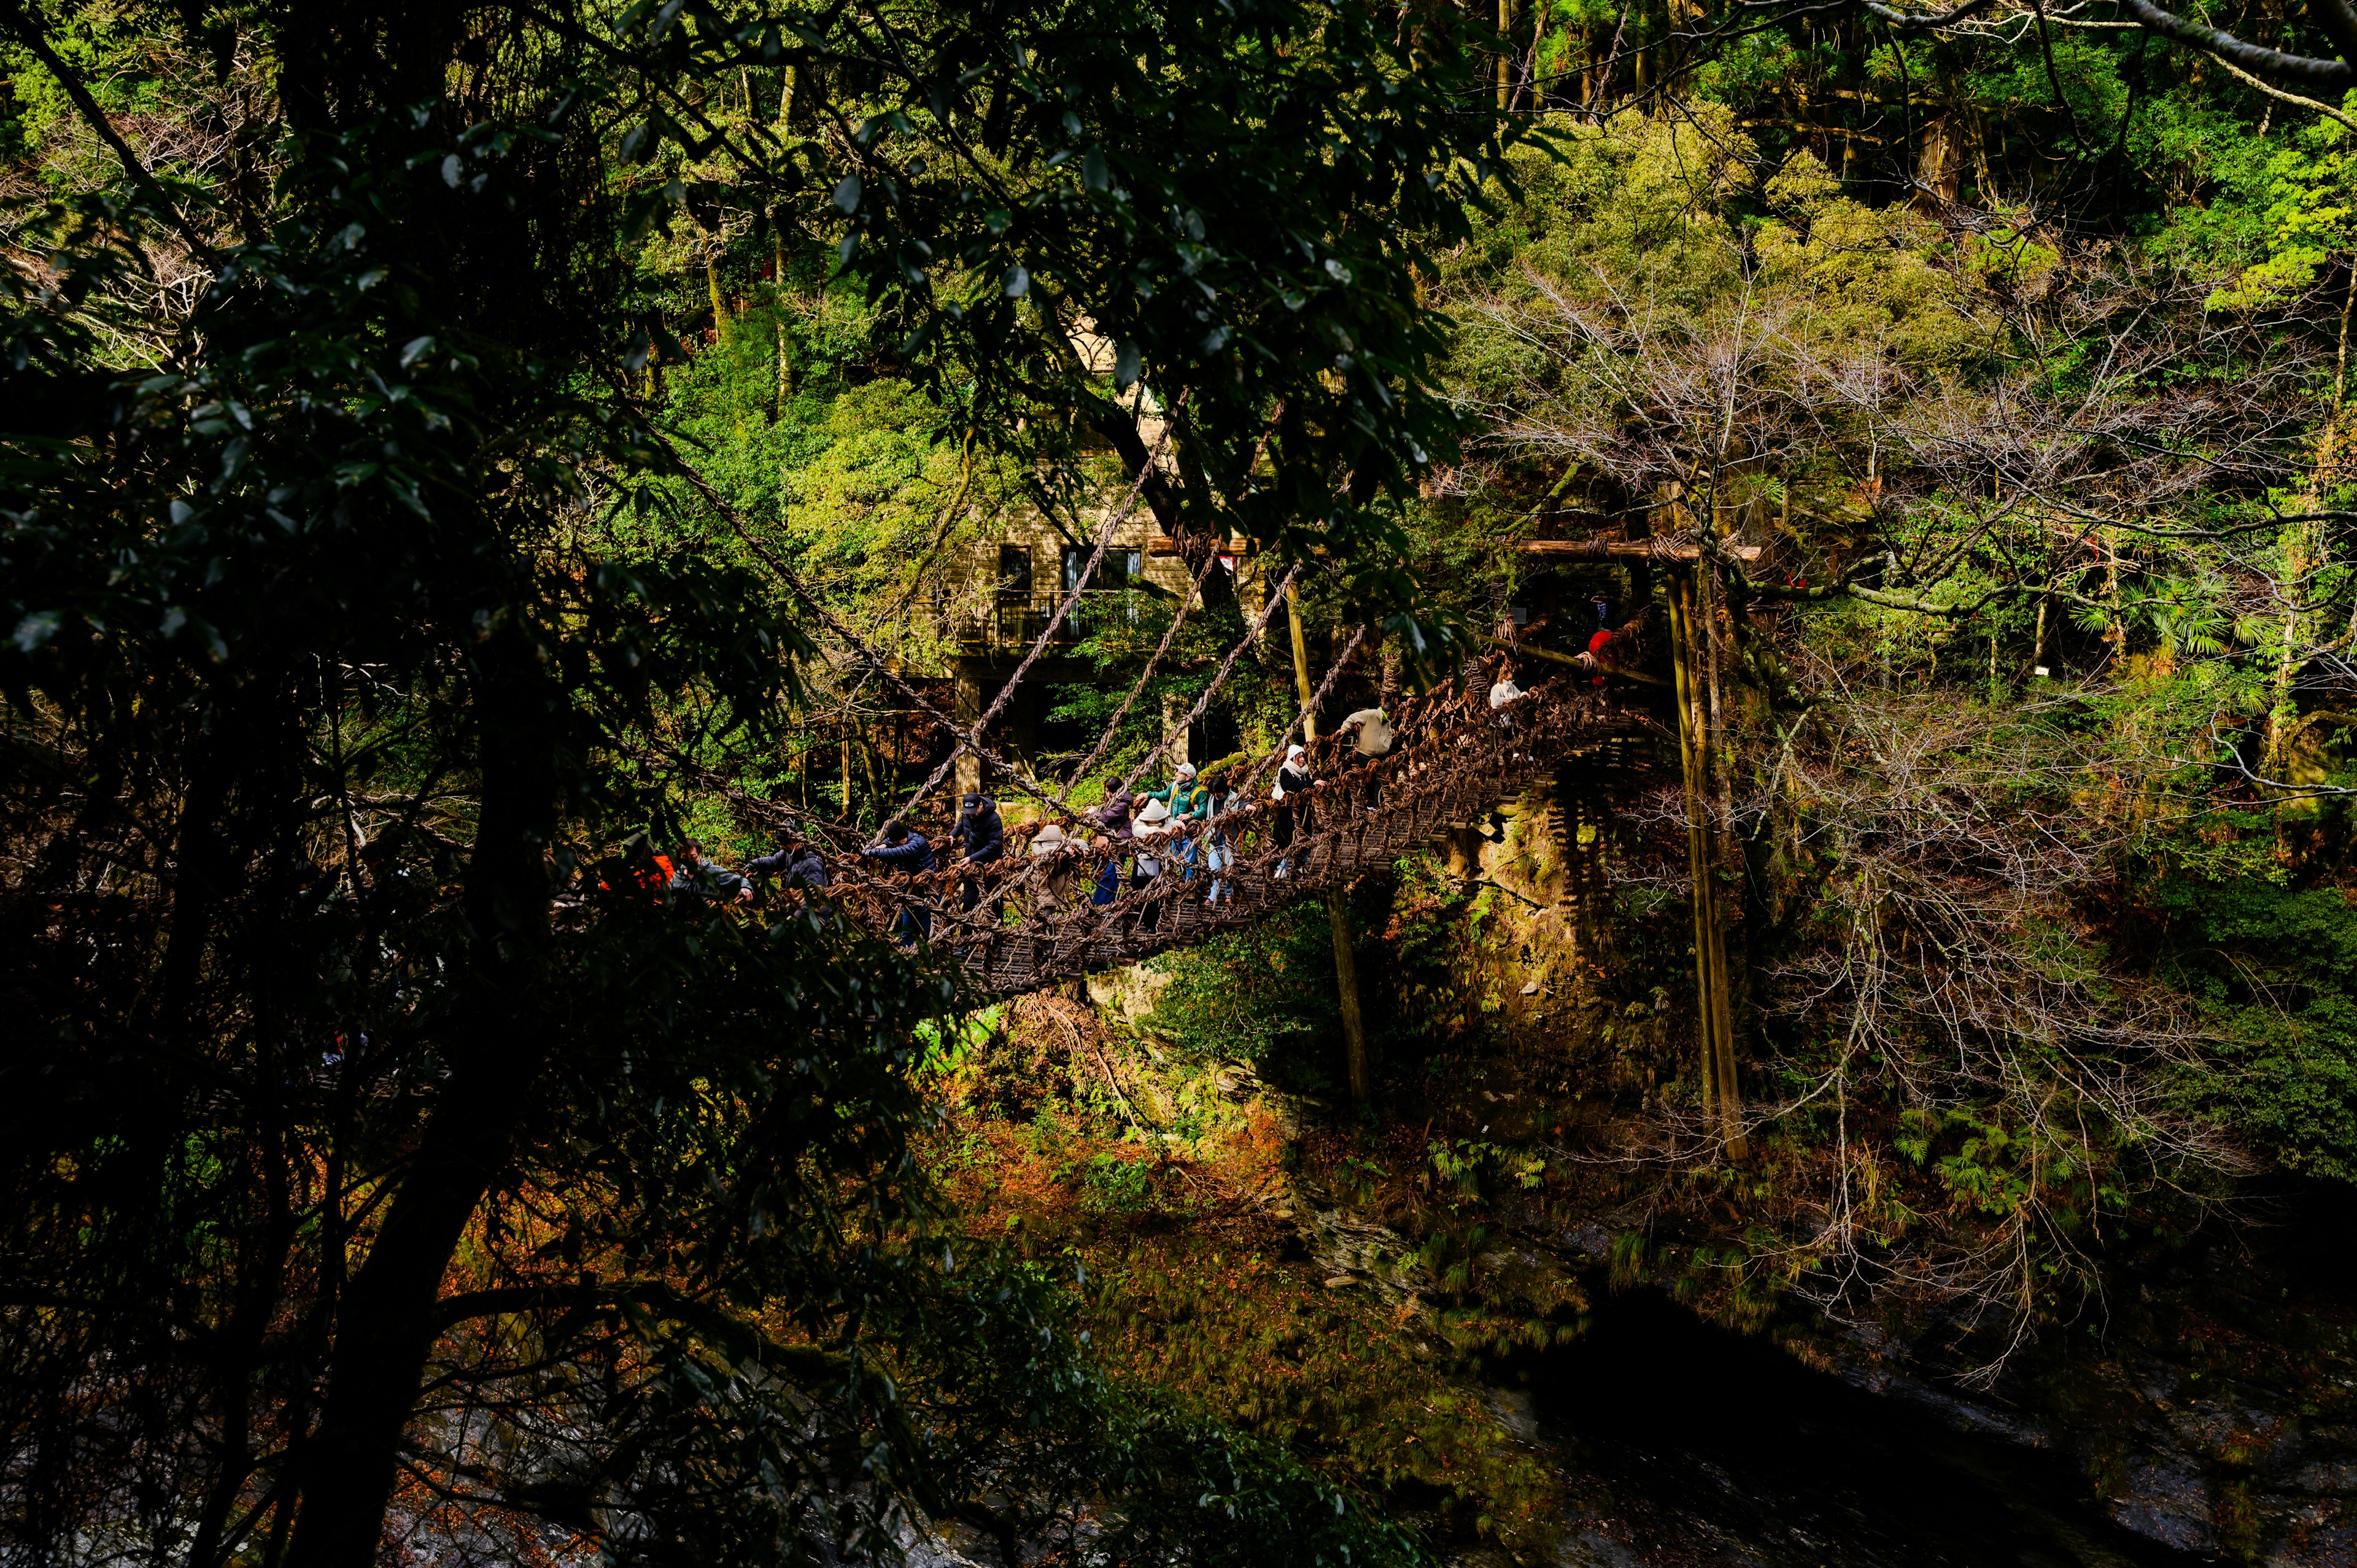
1684 1445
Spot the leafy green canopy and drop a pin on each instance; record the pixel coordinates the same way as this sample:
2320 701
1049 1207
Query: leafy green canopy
1224 204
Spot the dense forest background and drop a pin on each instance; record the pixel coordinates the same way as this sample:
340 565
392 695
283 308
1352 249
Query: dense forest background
446 449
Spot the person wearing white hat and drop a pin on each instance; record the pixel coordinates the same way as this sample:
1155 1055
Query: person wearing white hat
1153 826
1180 793
1291 780
1055 881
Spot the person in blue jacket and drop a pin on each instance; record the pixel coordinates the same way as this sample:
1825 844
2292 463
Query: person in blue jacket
904 849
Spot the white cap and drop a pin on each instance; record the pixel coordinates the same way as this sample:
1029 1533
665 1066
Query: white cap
1186 770
1156 812
1293 751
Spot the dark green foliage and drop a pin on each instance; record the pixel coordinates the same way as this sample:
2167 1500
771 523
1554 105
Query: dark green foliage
2276 970
1267 995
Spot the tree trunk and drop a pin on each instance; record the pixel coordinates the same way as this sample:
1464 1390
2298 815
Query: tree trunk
387 1319
1505 55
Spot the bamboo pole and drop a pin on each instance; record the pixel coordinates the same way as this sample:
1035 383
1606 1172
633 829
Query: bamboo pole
1346 962
1505 55
1717 1024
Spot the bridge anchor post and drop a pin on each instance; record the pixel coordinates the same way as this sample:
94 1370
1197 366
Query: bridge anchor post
1721 1091
1346 965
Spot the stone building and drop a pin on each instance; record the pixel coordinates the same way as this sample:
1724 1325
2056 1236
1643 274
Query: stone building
1017 576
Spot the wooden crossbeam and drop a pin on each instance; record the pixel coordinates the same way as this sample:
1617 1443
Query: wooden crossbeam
1668 551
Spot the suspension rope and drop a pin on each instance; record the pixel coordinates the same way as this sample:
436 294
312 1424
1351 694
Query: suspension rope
1194 589
803 591
1088 575
1226 665
1112 728
1317 701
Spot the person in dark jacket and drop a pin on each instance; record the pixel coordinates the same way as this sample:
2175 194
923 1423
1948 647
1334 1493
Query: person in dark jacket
982 839
708 879
797 866
1292 779
902 849
1114 818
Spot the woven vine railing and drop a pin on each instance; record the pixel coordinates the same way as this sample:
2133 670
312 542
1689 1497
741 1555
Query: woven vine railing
1035 921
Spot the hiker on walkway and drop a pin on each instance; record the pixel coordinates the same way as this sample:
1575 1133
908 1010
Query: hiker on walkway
1219 848
1153 829
708 879
1181 794
1292 779
651 871
1503 691
1113 817
982 840
1369 732
900 848
1054 884
797 866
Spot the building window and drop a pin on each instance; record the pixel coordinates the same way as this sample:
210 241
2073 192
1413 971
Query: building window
1118 568
1014 574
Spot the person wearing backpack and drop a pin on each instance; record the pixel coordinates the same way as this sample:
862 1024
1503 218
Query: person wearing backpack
901 848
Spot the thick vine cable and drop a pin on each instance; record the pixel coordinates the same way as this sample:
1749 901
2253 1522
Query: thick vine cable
809 596
1227 666
1072 597
1317 701
1194 592
1113 727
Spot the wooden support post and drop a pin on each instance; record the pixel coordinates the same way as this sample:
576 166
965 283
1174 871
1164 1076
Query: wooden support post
1346 985
1716 1023
1505 55
1346 963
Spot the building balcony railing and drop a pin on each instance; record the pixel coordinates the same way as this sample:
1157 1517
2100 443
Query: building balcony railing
1013 629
